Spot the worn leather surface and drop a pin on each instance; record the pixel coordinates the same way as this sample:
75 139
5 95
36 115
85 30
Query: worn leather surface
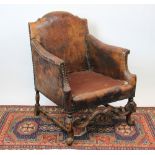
88 85
109 60
63 35
47 73
63 51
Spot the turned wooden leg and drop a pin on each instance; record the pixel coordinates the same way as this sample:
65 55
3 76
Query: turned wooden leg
70 132
37 105
130 107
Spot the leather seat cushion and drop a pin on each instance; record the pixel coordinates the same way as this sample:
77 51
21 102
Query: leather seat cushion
89 85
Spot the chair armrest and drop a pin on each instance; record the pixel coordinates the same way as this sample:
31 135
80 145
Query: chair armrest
109 60
56 62
45 54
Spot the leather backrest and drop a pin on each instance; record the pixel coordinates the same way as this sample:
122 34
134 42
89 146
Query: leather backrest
63 35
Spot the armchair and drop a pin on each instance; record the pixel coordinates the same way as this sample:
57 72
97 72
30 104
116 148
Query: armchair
76 71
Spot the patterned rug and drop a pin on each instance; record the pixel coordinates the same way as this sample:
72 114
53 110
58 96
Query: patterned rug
19 129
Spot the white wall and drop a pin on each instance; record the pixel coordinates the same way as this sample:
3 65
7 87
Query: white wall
130 26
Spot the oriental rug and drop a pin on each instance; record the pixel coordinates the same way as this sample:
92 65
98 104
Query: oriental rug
20 129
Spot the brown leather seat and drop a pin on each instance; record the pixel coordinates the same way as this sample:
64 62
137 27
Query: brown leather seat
89 85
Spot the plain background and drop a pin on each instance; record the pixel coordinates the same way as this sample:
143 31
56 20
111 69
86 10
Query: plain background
129 26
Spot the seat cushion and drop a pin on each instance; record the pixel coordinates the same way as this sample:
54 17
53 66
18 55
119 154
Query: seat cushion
89 85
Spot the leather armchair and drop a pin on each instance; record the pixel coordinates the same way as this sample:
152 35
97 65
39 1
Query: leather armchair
76 71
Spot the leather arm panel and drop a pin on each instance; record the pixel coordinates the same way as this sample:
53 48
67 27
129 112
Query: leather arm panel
109 60
45 54
49 74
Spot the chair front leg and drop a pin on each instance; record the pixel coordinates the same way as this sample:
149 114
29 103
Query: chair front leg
130 107
70 131
37 105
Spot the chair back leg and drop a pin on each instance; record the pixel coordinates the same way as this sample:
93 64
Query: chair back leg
130 107
37 105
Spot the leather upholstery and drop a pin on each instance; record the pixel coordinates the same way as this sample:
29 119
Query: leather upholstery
74 69
88 85
63 35
46 66
115 60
